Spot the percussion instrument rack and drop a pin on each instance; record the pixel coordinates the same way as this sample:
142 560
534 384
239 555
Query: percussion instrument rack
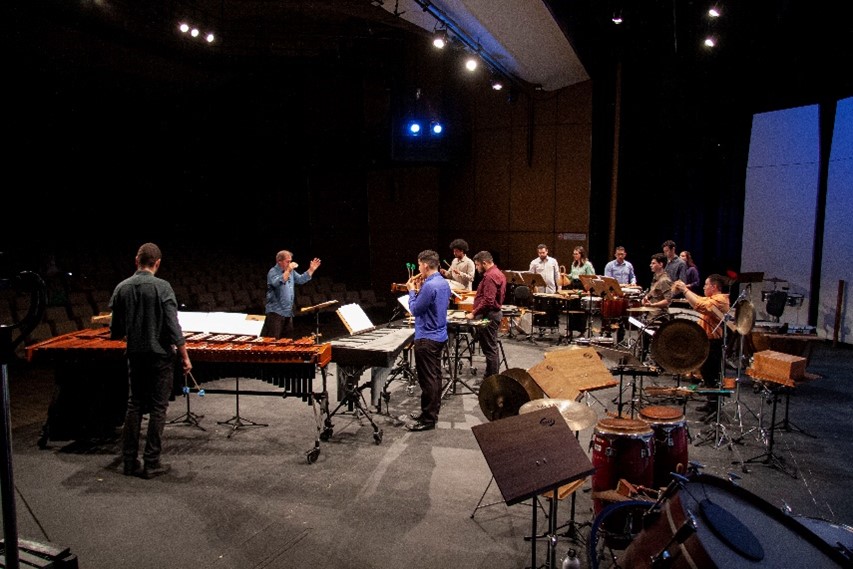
463 331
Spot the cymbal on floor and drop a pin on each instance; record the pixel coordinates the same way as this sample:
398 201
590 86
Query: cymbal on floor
578 416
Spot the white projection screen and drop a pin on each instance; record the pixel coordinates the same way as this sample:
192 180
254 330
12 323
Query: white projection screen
779 214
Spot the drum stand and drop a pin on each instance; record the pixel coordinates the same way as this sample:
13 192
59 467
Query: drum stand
454 358
768 458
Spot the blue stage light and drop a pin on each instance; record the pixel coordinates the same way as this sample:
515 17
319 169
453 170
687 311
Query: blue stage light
413 128
436 128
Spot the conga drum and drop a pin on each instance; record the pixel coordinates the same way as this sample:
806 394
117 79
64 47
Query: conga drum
670 441
621 448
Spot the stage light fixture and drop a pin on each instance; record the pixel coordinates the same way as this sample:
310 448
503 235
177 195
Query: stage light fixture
184 27
209 37
710 42
414 128
440 39
436 128
617 17
194 32
471 64
714 12
497 85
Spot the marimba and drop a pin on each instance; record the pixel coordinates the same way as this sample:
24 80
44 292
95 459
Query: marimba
91 376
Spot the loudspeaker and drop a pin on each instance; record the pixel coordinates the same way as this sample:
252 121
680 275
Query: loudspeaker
776 303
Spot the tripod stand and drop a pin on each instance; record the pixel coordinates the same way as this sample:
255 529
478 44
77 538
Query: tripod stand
237 422
189 418
403 370
768 458
353 399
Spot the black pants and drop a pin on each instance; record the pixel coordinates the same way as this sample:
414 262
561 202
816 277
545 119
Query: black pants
150 378
488 337
277 326
712 368
428 367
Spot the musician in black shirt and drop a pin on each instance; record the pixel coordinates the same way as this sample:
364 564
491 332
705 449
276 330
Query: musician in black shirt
145 312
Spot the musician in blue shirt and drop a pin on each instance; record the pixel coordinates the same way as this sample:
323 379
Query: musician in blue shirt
429 307
281 281
620 269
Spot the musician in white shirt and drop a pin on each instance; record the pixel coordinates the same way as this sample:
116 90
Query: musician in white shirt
462 268
547 267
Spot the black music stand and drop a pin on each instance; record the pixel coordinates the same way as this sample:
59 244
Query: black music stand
529 455
316 310
237 422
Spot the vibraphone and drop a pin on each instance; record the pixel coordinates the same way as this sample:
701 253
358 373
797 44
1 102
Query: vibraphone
91 376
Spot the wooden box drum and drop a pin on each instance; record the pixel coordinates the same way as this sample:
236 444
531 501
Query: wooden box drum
670 441
732 528
621 448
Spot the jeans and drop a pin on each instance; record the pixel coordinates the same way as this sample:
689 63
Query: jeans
150 379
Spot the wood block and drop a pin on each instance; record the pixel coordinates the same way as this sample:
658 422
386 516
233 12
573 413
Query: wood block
779 366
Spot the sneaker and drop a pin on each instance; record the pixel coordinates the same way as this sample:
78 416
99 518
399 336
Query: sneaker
421 425
132 467
154 471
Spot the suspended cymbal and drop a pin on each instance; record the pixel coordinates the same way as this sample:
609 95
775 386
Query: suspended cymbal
578 416
744 318
643 309
680 346
502 394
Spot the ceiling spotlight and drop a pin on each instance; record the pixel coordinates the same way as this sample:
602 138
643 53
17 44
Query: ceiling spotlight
209 37
440 39
497 85
436 128
471 64
714 12
194 32
710 42
184 27
617 17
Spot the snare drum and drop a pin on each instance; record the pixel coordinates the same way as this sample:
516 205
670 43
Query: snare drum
670 441
621 448
591 304
733 528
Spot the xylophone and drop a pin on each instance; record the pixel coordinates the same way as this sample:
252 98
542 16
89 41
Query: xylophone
91 376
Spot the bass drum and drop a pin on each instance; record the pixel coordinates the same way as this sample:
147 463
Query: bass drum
733 528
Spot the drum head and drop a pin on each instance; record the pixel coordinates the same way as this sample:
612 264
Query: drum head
680 346
502 395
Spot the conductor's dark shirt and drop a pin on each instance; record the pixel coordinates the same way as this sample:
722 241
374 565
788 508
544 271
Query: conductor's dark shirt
145 311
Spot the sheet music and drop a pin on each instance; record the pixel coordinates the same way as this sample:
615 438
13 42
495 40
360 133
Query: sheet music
354 318
221 323
404 300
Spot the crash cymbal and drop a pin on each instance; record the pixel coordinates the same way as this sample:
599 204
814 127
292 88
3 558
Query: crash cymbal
643 309
578 416
744 318
502 394
680 346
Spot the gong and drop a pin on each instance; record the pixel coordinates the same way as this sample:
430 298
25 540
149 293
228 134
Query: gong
680 346
502 394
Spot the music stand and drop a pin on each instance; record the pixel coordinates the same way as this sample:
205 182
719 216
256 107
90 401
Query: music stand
533 280
532 454
316 310
515 278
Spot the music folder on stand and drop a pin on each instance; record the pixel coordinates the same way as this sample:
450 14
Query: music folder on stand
529 455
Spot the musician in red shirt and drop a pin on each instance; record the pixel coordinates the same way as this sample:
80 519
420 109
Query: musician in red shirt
487 304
